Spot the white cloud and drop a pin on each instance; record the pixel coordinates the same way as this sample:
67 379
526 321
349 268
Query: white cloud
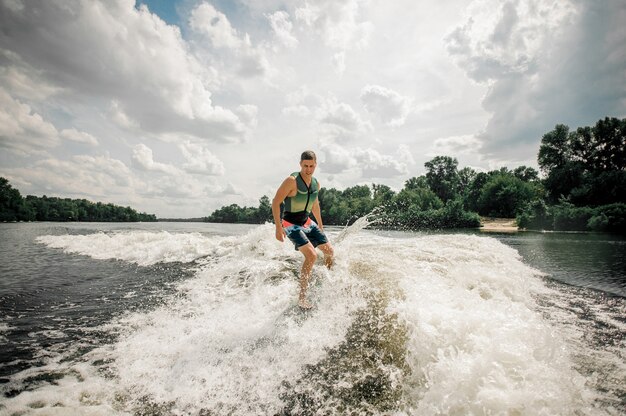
302 102
339 25
248 114
455 145
376 165
230 189
342 116
282 27
337 158
79 137
143 159
296 111
404 155
14 5
104 167
510 40
369 163
391 107
200 160
215 25
234 48
337 21
175 182
339 62
22 129
119 117
100 177
175 188
127 55
546 63
22 80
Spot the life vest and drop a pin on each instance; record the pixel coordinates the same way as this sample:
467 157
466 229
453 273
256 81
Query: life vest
297 208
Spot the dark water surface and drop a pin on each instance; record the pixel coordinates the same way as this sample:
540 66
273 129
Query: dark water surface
591 260
49 299
55 305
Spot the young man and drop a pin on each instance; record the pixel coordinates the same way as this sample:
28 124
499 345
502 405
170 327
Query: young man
299 193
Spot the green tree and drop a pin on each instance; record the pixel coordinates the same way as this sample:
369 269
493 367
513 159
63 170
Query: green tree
555 150
466 177
264 212
33 208
505 196
527 174
382 195
358 201
472 193
229 214
419 199
416 182
442 177
586 166
11 201
357 192
330 199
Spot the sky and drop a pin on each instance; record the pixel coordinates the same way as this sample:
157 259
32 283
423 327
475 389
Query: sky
179 108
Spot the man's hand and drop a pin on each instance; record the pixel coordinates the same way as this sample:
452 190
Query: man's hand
280 234
288 186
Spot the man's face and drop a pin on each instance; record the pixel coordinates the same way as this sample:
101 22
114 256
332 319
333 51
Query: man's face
307 167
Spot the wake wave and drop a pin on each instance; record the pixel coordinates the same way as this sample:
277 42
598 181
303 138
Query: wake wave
141 247
444 324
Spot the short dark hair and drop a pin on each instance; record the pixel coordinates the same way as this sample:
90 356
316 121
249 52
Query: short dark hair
308 155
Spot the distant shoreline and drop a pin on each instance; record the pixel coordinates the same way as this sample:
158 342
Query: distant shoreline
501 225
181 220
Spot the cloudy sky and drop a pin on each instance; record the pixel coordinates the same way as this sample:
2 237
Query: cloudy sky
178 108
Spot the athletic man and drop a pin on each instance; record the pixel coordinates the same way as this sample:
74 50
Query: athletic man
299 193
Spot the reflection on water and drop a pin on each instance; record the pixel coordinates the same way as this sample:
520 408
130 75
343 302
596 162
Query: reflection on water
591 260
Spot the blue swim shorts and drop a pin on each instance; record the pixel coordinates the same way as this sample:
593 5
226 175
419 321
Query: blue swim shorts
301 235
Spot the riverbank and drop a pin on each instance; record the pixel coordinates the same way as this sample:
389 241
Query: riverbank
499 225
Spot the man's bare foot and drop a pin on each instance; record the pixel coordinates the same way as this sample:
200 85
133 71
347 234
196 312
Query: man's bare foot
304 304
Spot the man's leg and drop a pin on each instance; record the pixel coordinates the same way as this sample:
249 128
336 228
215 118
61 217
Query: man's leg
329 253
305 274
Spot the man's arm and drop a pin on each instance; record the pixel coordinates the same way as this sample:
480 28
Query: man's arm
318 214
283 191
317 211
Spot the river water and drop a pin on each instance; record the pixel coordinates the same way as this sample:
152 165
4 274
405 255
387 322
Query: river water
201 319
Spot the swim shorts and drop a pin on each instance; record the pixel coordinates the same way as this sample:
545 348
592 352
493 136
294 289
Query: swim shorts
301 235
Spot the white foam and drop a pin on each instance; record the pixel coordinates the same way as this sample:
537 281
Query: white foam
476 343
4 327
141 247
230 341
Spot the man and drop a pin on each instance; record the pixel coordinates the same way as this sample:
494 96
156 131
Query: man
299 193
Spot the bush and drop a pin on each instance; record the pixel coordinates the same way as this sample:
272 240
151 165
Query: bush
536 216
452 215
504 195
610 218
567 217
599 222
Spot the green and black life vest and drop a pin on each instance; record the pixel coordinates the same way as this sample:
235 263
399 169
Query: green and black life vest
297 208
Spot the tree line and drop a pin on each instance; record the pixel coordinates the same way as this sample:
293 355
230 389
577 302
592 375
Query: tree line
14 207
585 179
583 188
